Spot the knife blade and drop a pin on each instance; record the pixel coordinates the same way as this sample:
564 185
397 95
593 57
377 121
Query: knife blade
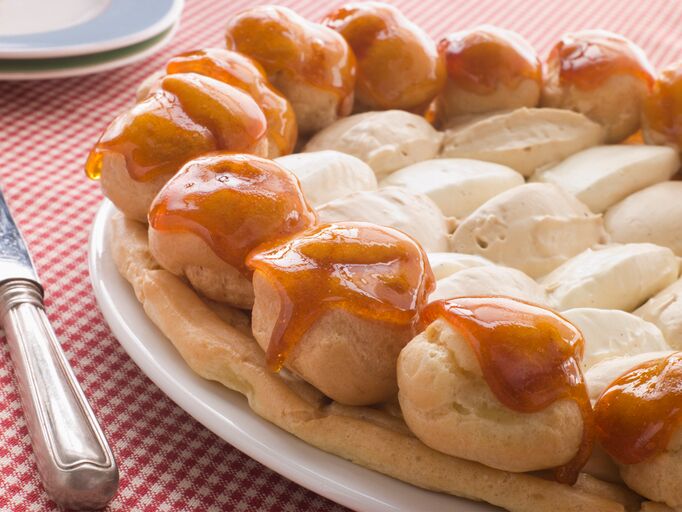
74 460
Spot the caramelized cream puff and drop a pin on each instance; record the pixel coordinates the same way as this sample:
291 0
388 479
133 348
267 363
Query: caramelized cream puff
498 381
214 211
311 64
601 75
186 116
246 74
337 303
488 69
398 63
662 111
638 422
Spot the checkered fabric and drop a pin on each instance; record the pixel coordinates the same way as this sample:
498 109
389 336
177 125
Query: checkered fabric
168 461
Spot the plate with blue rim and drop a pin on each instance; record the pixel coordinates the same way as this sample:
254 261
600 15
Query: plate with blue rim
35 29
62 67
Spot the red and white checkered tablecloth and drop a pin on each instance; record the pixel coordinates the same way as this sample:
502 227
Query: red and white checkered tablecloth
168 461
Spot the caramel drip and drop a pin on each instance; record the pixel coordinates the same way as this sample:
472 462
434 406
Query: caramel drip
638 413
234 203
587 59
662 111
398 63
374 272
188 115
482 59
529 357
287 44
242 72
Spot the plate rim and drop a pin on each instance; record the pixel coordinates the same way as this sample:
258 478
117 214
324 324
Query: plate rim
170 16
108 64
335 478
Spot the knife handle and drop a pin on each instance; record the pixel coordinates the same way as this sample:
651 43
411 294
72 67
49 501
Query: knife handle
73 458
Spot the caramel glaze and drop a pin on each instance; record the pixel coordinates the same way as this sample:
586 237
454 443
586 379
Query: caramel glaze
638 413
289 47
483 59
373 272
529 356
587 59
662 112
233 202
398 63
187 115
244 73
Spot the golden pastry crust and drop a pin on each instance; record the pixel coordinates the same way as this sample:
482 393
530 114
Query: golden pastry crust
187 255
447 403
131 196
616 104
455 101
219 350
659 478
348 358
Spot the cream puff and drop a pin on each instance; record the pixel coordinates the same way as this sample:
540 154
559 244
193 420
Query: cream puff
246 74
337 303
414 214
186 116
662 111
498 381
398 64
488 69
601 75
214 211
638 422
311 64
533 227
386 141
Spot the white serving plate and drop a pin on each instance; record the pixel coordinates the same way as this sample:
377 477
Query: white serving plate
227 414
39 29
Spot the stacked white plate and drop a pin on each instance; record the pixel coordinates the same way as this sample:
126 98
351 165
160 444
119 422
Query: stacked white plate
52 39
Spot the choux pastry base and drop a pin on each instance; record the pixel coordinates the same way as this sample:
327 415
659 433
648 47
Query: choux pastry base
216 346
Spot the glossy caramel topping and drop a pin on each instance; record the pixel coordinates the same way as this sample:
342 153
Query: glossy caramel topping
529 356
186 116
242 72
289 47
485 58
371 271
398 63
662 112
588 58
234 202
638 413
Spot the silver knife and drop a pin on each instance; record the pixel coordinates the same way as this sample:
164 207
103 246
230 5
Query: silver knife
74 460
